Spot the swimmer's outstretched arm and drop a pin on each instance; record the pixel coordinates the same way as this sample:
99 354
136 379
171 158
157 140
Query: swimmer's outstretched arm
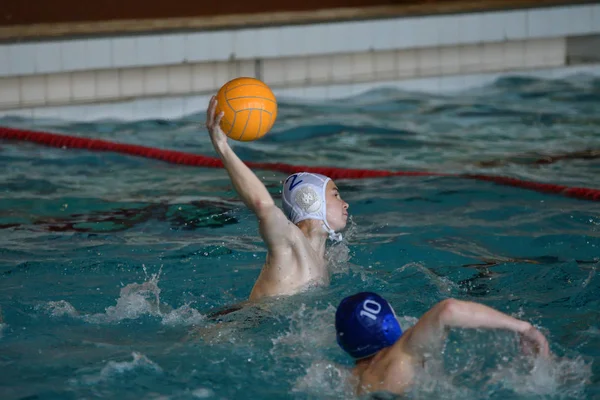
273 223
430 331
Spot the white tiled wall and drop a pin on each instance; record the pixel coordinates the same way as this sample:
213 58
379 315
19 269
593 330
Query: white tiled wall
123 51
384 64
179 78
471 57
407 64
21 59
428 61
492 56
131 82
10 92
341 67
58 88
179 106
514 54
297 41
83 86
319 60
33 90
155 81
296 73
73 55
203 77
318 69
107 84
595 11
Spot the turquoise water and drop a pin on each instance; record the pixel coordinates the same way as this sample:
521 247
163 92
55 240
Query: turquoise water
111 266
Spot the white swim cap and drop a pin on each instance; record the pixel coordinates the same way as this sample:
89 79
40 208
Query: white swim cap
304 198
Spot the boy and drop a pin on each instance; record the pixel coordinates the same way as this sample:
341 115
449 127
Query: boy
295 237
386 358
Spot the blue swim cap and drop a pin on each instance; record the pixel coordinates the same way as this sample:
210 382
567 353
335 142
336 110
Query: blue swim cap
365 323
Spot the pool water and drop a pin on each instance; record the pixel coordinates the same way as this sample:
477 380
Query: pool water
113 266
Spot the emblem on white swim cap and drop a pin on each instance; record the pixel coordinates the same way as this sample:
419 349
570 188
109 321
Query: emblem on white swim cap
304 197
307 199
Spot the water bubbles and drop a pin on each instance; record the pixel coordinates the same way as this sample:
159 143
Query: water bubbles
202 393
324 379
139 361
310 331
58 308
135 300
116 369
183 316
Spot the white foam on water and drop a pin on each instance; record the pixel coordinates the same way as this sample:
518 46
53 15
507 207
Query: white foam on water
311 331
556 378
183 316
202 393
513 376
308 343
311 336
407 322
135 300
2 324
198 393
302 350
338 254
116 369
59 308
140 361
325 379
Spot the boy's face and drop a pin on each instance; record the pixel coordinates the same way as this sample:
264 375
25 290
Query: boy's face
337 209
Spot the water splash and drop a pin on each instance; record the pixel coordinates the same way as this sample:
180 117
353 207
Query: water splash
117 369
59 308
477 368
2 324
337 257
326 380
135 300
311 332
562 378
338 254
302 350
184 315
198 393
140 361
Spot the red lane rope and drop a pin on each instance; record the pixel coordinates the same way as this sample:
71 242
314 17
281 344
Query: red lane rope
178 157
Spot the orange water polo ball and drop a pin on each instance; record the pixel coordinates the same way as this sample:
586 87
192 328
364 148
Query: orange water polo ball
249 107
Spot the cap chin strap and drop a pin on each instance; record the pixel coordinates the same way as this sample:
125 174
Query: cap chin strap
333 236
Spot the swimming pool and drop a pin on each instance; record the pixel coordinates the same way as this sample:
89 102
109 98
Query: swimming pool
111 264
